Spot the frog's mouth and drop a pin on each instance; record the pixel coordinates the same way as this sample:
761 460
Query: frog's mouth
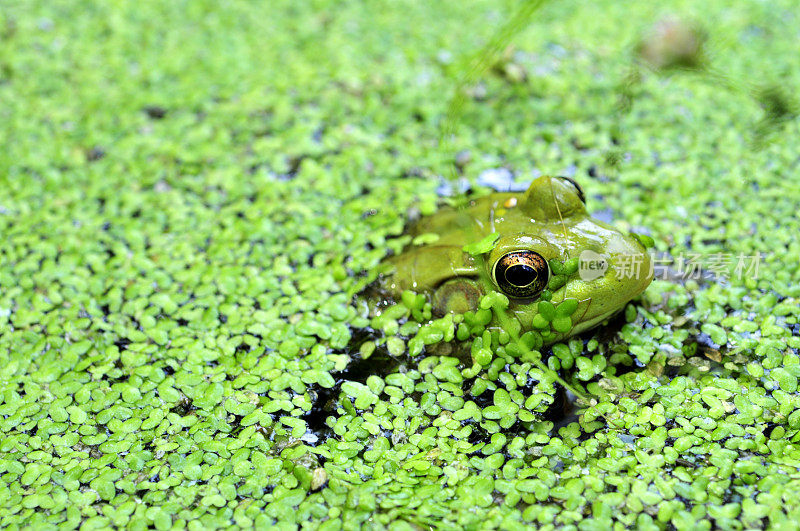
591 322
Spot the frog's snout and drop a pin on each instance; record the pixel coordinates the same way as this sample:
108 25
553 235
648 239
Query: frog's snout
641 276
634 266
612 278
630 268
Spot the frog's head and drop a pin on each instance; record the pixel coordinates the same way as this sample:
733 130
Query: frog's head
612 267
547 241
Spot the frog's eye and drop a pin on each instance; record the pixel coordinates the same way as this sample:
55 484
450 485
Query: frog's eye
521 274
578 189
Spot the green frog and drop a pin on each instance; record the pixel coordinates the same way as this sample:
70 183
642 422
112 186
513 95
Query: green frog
562 271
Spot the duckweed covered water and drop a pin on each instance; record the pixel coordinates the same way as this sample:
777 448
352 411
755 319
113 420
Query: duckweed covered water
192 195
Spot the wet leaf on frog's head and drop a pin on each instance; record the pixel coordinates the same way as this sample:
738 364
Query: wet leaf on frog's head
482 246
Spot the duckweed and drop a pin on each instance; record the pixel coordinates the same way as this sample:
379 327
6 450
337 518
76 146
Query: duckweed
193 196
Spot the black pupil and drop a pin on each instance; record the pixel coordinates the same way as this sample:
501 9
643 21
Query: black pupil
520 275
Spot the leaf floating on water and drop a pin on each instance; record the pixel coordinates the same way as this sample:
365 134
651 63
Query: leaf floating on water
713 354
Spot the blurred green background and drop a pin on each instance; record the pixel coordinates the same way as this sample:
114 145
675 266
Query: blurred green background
191 192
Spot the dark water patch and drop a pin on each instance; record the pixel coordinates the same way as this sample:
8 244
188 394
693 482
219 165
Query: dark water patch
563 409
380 363
183 407
95 153
323 406
562 412
122 343
155 112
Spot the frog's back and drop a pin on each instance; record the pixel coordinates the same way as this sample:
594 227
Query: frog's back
459 225
425 266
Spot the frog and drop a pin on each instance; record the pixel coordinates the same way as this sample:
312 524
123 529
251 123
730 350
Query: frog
542 245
